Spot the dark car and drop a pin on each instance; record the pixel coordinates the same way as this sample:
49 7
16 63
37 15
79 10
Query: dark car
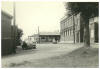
24 45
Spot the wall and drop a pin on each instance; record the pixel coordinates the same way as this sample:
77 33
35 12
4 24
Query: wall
68 32
6 38
94 29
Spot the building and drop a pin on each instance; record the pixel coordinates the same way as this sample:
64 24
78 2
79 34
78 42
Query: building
72 29
94 29
47 37
6 33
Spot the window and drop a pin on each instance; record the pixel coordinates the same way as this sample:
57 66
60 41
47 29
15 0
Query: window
66 32
42 38
70 31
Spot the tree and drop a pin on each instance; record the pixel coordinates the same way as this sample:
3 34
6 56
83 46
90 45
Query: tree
87 10
18 36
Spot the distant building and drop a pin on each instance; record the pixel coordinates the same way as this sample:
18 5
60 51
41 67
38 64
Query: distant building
46 37
6 33
72 29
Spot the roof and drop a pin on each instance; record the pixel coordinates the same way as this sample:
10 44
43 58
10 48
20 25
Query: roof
5 13
49 33
63 19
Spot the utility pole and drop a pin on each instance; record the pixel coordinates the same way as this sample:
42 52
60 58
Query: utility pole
14 28
38 34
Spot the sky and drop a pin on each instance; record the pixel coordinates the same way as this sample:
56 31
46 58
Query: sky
31 15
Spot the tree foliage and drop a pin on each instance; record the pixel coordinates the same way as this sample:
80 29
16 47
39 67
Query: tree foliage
88 9
18 36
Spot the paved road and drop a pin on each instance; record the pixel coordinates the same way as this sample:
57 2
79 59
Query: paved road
43 51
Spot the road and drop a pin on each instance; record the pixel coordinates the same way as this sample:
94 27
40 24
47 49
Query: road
43 51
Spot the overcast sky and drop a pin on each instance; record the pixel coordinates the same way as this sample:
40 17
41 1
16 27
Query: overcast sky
30 15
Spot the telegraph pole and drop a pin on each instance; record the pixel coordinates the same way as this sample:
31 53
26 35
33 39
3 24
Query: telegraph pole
14 28
38 34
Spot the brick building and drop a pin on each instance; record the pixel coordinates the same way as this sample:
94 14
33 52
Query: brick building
72 29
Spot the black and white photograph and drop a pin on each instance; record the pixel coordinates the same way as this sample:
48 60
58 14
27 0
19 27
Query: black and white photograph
49 34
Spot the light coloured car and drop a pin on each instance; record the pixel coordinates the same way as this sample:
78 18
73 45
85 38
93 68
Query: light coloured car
31 44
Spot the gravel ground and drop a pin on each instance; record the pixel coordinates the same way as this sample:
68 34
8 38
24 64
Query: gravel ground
53 56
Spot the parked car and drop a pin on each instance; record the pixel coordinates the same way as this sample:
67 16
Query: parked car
54 41
30 44
34 45
24 46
